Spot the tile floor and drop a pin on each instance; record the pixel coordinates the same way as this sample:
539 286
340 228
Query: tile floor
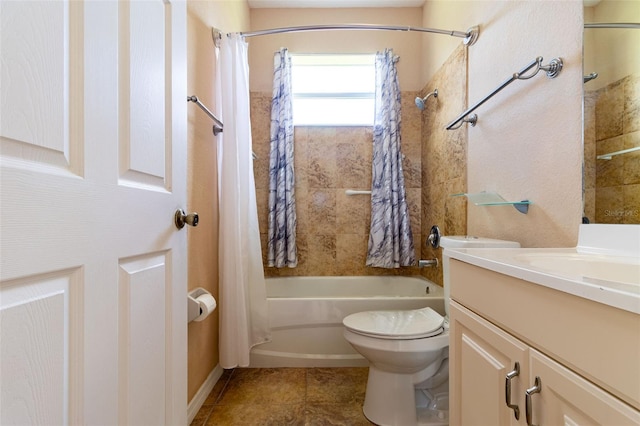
286 396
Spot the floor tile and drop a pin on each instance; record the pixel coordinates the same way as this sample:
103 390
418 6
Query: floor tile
265 386
202 416
335 415
218 388
286 396
257 415
326 386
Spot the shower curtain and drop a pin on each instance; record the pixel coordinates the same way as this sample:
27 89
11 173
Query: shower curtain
282 203
390 237
243 303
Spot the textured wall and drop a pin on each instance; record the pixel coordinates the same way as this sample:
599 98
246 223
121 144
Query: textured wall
444 157
528 141
405 44
333 228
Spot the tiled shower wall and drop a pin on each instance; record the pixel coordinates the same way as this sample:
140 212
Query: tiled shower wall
333 228
612 123
444 157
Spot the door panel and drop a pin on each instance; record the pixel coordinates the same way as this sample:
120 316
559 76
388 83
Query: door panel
92 162
143 290
41 71
40 325
144 102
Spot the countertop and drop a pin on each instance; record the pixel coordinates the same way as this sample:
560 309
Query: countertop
610 280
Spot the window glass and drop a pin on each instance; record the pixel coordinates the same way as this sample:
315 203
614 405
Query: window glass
333 89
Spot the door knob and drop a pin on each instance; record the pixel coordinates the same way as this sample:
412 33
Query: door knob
181 219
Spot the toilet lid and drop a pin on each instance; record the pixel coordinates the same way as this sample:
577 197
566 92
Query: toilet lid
413 324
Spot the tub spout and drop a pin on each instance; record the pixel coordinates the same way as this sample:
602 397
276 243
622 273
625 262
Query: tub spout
428 263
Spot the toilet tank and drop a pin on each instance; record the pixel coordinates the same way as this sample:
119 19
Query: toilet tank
467 241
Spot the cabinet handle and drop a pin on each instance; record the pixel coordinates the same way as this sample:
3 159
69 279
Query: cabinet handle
537 387
507 390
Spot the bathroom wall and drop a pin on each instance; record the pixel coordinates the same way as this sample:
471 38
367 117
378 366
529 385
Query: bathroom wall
612 121
613 124
612 64
333 228
231 15
444 157
528 141
406 45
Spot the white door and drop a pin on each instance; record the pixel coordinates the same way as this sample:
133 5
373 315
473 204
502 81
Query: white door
93 270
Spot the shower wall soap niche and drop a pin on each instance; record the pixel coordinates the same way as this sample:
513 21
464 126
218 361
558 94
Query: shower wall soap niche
492 199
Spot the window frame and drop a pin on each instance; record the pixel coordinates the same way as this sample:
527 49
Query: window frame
342 99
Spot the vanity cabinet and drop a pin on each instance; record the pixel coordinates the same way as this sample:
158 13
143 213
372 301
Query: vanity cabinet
480 357
501 326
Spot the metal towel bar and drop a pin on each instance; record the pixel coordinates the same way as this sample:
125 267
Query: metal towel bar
217 127
553 69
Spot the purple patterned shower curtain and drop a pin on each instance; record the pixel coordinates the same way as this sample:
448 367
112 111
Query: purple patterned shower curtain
281 246
390 237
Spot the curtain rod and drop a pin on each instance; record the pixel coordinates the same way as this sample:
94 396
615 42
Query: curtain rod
470 36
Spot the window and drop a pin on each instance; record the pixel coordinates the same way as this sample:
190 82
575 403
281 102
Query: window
335 90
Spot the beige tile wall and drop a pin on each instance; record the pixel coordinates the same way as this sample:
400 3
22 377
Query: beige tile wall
444 157
613 186
333 228
589 165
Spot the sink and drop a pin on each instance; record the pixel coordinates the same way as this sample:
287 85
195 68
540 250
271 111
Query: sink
604 267
619 272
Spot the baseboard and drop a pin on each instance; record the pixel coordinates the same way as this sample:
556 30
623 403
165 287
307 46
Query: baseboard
198 399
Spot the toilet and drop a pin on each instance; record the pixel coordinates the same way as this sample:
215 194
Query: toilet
408 354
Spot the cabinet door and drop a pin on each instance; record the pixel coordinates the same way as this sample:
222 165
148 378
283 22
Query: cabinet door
481 355
568 399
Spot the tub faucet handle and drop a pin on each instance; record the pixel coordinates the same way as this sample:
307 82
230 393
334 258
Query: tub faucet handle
434 237
428 263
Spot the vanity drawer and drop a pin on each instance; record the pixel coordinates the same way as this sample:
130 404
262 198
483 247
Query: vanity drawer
599 342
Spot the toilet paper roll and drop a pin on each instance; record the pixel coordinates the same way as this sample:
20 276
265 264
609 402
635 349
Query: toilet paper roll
207 305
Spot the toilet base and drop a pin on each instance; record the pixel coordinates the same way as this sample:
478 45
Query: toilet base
428 417
390 399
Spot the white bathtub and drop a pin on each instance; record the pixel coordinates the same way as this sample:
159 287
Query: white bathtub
306 316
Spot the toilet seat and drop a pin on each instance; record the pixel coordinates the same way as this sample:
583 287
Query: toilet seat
396 325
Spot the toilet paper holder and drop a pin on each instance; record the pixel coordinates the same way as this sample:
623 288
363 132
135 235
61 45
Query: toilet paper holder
193 307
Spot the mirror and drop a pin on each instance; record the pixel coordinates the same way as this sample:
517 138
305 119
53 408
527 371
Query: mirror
611 179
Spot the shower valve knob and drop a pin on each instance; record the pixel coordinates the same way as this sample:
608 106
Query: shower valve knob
434 237
181 218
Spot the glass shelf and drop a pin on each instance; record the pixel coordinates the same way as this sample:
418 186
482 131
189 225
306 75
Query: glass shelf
493 199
